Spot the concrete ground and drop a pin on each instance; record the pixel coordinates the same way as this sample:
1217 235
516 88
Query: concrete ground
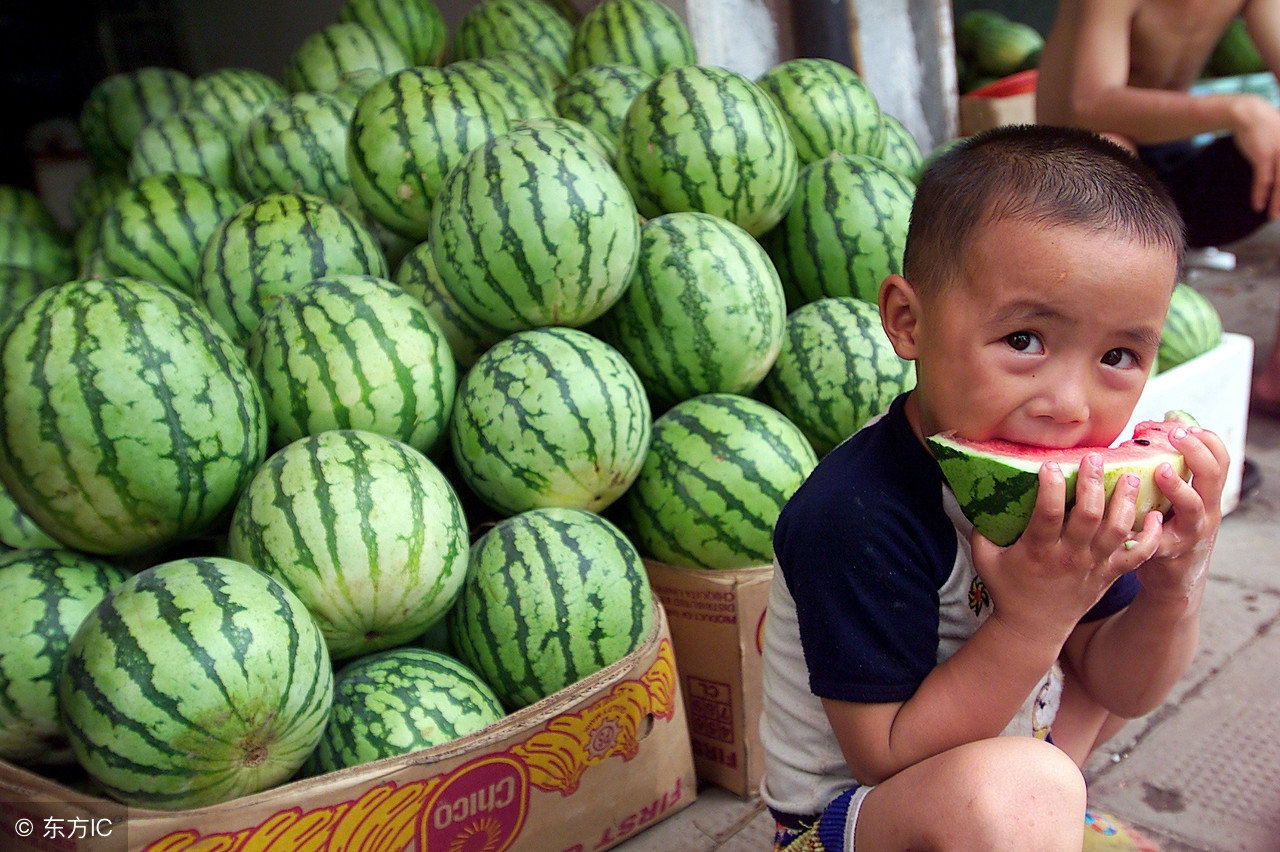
1201 773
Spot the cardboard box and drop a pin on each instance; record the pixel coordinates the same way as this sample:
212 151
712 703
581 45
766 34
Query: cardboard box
1213 388
579 771
717 619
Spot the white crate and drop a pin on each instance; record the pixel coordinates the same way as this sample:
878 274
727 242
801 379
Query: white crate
1213 388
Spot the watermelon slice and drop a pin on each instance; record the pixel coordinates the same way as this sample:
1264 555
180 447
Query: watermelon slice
995 482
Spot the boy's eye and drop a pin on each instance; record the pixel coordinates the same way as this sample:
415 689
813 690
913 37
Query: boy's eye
1122 358
1024 341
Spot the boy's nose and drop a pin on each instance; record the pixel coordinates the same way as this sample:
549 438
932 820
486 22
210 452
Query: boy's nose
1064 401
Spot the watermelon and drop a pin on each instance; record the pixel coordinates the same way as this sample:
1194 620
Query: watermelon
335 50
1235 52
94 192
409 129
234 96
18 202
299 144
17 285
901 152
353 352
1192 327
720 468
399 701
42 250
844 231
492 26
128 419
47 593
364 528
1001 47
552 595
157 228
836 370
507 77
273 245
17 530
186 141
120 105
599 96
643 33
708 139
534 228
827 107
550 417
573 129
417 25
995 482
704 313
468 337
194 682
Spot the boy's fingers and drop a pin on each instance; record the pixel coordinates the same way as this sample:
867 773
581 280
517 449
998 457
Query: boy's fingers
1207 460
1121 512
1090 504
1050 509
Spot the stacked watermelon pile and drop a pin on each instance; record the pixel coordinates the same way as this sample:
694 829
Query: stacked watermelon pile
370 386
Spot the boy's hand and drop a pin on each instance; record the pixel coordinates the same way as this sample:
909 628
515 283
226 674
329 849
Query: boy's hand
1042 584
1187 535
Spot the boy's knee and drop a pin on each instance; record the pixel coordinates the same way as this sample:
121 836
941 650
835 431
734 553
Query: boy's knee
1032 797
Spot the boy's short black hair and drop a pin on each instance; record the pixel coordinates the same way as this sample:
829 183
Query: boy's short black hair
1034 173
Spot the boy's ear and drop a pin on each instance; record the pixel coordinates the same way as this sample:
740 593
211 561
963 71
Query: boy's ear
900 315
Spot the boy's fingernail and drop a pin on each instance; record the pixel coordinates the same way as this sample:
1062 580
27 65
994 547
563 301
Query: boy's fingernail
1132 480
1179 433
1095 459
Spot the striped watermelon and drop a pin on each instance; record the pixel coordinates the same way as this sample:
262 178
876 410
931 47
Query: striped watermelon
704 312
409 129
186 141
47 593
719 470
353 352
157 228
643 33
417 25
492 26
364 528
599 96
467 336
836 370
901 153
1191 328
273 245
195 682
508 78
120 105
94 192
550 417
575 130
18 202
552 595
827 107
844 231
707 139
17 285
299 144
233 96
128 419
42 250
17 530
534 228
399 701
335 50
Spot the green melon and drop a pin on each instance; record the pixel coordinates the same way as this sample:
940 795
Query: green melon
353 352
534 228
599 96
827 107
704 312
400 701
44 251
364 528
901 153
836 370
708 139
720 468
1192 327
468 337
996 482
128 419
552 596
234 96
275 244
47 594
188 142
492 26
643 33
195 682
120 105
18 202
418 26
550 417
335 50
17 530
844 231
507 77
94 192
17 285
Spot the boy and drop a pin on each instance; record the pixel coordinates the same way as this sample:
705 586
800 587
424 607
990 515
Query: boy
1038 268
1124 68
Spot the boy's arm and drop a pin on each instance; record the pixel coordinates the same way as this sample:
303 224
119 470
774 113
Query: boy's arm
1129 662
